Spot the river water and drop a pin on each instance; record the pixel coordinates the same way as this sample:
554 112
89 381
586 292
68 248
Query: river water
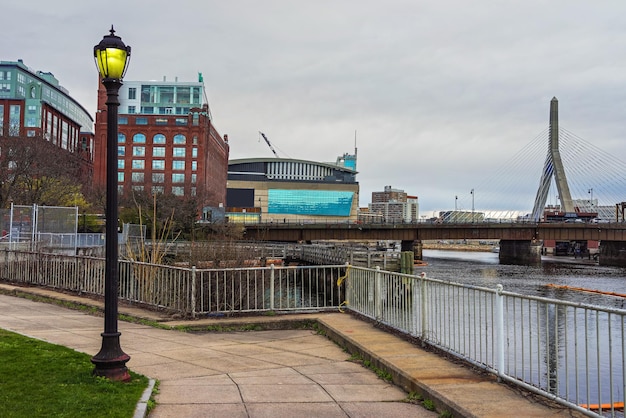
484 269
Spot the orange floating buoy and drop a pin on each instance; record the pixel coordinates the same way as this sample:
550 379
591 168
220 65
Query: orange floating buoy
582 289
604 406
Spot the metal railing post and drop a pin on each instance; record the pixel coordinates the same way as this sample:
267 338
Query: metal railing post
193 292
414 305
272 281
499 311
423 304
378 294
5 275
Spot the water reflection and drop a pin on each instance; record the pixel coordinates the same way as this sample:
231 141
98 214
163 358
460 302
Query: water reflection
484 269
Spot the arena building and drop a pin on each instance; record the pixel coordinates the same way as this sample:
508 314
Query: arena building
291 190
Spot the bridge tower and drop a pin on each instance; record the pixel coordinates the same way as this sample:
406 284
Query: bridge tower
553 167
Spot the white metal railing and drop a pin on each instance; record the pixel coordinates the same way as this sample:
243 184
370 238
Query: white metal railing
268 288
572 353
190 291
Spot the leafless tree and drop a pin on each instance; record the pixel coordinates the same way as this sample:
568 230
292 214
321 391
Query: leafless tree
33 170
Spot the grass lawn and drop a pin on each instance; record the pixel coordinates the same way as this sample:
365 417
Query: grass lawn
38 379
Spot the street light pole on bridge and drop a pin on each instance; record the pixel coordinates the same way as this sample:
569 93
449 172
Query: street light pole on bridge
472 193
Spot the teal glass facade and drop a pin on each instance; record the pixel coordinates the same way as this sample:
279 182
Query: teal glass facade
17 81
310 202
351 164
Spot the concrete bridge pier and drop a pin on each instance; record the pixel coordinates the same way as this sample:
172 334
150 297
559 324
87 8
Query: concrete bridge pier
520 252
412 245
612 253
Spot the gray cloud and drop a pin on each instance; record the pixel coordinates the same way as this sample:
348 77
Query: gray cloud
440 94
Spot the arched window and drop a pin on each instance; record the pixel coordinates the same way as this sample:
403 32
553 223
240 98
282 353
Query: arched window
121 138
179 139
139 139
158 139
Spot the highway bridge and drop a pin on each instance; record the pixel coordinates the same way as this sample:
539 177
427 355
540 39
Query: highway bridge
519 241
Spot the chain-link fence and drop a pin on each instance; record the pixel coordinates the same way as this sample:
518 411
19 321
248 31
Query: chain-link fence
39 227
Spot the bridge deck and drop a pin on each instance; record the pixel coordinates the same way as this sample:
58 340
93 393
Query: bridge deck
292 232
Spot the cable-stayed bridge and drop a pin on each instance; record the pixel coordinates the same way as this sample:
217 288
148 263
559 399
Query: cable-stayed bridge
557 170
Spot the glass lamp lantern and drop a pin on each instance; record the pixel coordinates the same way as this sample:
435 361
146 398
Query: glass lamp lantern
111 56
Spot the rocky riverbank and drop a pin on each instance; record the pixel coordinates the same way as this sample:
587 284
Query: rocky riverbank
449 246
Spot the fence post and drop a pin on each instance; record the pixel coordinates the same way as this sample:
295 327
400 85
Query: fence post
193 292
272 277
423 304
5 274
81 277
378 294
415 303
499 331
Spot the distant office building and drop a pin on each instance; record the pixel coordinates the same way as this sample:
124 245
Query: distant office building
389 195
167 142
34 104
289 190
392 205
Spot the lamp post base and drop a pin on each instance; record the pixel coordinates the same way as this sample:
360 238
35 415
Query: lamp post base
111 361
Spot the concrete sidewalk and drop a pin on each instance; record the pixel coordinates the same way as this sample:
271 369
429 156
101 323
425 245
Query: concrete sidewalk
281 372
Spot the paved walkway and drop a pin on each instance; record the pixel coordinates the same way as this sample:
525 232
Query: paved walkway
276 373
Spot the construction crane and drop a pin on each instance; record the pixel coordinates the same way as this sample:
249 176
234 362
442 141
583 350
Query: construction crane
269 144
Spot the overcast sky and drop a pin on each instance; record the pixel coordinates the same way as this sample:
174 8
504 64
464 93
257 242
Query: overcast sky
441 94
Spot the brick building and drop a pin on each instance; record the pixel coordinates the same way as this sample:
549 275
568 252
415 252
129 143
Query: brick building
34 104
167 142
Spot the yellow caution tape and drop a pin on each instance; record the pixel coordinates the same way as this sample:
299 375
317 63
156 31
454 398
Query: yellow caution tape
339 282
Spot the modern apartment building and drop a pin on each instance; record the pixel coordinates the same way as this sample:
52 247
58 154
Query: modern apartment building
167 142
290 190
34 104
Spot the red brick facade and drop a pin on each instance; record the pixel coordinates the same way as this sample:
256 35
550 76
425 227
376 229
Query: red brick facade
191 159
56 128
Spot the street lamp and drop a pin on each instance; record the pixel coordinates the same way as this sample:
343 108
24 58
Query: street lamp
472 193
111 57
591 198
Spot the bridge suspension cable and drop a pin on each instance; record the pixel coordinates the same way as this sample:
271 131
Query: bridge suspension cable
509 191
